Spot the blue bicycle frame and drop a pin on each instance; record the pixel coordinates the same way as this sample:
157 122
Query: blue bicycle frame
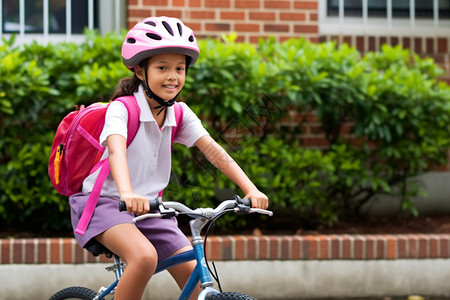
200 273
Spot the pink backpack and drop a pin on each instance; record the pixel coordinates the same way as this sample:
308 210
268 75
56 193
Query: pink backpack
76 150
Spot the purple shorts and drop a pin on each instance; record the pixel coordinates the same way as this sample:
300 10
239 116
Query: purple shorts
164 234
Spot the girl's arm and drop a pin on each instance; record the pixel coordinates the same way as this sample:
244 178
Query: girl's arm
117 147
222 161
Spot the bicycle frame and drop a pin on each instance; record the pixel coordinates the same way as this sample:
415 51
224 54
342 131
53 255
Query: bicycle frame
200 273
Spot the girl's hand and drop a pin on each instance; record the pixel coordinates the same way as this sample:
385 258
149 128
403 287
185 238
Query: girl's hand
136 204
259 200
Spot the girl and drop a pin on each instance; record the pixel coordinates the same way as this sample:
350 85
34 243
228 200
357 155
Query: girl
159 51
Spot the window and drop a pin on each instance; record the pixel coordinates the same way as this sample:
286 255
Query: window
424 17
400 8
56 18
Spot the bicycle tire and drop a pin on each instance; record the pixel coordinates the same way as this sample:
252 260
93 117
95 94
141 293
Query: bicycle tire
230 296
74 292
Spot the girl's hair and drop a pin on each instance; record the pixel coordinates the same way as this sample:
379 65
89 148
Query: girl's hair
127 86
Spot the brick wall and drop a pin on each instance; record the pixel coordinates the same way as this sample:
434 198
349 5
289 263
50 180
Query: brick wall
222 248
251 19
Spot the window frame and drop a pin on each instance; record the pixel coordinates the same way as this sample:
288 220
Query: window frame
380 26
108 12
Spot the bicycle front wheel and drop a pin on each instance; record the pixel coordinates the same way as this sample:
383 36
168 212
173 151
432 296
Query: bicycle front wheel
74 292
230 296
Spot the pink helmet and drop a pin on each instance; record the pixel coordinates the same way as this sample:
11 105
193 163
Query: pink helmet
158 35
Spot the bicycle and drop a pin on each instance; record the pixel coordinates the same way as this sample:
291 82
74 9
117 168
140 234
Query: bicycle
200 218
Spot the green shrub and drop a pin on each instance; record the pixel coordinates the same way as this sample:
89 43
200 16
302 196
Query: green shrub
397 108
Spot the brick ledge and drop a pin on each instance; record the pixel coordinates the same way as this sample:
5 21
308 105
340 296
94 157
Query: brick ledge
292 247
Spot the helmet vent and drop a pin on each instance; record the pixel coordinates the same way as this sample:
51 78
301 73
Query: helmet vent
168 28
180 29
131 41
153 36
151 23
191 39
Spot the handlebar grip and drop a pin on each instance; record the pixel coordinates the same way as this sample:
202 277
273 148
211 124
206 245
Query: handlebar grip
246 202
154 204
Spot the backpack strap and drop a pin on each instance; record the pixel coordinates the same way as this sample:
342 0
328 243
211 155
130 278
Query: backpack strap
134 113
175 130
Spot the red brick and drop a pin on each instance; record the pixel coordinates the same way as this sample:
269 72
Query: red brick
17 251
360 43
381 247
227 253
246 27
359 247
434 249
402 250
442 45
218 3
169 13
313 16
276 28
274 247
232 15
263 247
6 251
444 248
178 2
239 246
279 4
155 2
335 247
79 254
292 16
29 251
372 43
391 251
347 247
55 252
195 3
413 246
138 13
430 45
423 246
370 247
203 14
296 252
306 5
285 247
42 255
67 246
252 246
223 27
324 247
418 45
306 28
215 248
247 4
262 16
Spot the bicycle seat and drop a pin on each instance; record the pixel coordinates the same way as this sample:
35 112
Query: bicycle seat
97 248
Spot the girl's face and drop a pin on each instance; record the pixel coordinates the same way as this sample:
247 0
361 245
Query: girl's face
166 74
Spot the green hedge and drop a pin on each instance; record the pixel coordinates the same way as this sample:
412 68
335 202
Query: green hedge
398 109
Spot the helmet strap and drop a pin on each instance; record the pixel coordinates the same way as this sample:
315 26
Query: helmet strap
162 104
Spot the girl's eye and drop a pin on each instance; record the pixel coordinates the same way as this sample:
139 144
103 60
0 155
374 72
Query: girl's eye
162 68
180 69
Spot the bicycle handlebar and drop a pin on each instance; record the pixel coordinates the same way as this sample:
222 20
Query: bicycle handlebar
172 208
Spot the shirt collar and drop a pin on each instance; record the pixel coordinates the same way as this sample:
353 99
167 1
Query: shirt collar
146 113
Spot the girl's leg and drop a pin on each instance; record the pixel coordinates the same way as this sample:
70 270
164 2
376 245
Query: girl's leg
138 253
182 272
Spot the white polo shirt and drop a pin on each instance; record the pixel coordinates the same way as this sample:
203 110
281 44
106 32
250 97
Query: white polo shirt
149 155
